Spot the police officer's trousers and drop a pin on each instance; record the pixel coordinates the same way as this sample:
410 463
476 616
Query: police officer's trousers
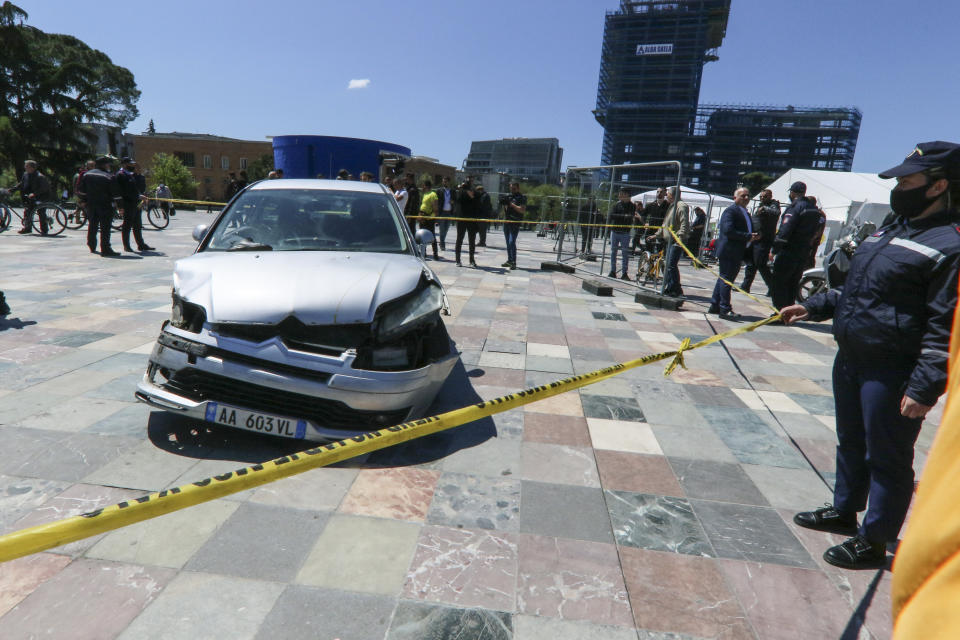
98 221
787 273
875 445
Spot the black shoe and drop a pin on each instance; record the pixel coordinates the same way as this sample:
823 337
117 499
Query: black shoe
473 264
611 275
109 253
459 264
506 264
44 233
4 308
625 277
93 250
827 518
145 247
127 249
23 231
714 309
857 553
513 266
730 315
436 256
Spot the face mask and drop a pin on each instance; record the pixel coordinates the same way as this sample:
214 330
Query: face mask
910 203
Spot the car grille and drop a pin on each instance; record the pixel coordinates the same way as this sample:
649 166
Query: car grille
200 385
324 339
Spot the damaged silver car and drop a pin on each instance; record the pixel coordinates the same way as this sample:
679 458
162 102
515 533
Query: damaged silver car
306 312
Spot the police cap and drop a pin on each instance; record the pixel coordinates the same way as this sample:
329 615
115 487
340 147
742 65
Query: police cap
104 159
799 187
926 155
126 160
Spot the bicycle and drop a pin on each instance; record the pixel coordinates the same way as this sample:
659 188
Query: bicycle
55 215
76 214
157 216
650 265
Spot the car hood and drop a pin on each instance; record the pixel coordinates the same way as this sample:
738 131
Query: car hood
317 287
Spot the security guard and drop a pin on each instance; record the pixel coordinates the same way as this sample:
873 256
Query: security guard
130 194
791 246
98 188
892 325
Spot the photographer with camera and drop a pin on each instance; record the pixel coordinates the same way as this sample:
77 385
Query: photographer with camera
514 207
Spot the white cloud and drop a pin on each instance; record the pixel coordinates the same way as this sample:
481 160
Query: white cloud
361 83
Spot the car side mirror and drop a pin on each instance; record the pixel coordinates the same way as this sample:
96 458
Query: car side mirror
424 237
199 231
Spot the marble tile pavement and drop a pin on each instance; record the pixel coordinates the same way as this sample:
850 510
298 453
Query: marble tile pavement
640 507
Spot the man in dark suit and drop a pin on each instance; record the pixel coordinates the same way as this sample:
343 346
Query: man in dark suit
733 235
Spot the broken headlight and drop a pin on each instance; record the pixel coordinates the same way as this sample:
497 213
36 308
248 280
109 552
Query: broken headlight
409 311
186 315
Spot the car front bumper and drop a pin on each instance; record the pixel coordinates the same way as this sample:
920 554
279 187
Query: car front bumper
193 374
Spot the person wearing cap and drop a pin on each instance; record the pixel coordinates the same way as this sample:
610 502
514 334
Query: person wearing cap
798 226
129 189
98 188
891 321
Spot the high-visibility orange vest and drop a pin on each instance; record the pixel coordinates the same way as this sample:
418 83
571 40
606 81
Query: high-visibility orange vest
926 569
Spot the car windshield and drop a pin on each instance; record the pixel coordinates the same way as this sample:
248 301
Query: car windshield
310 220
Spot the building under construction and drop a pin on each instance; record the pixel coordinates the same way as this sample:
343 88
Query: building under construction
648 97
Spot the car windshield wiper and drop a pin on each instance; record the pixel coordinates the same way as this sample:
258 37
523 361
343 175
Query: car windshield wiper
250 245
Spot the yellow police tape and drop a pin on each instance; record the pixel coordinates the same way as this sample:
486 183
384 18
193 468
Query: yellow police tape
733 285
59 532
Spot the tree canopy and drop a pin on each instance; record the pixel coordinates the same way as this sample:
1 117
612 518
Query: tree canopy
168 170
51 85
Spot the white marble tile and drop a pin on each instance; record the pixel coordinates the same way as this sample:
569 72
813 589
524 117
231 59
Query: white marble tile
619 435
549 350
779 401
794 357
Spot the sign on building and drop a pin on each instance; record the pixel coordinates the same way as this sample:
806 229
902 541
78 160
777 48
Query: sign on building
654 49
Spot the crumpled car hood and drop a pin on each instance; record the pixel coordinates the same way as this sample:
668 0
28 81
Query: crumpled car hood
317 287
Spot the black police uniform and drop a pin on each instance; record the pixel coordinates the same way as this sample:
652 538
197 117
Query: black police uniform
799 225
99 190
129 190
765 219
892 323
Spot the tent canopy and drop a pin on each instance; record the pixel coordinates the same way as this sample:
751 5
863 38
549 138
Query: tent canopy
693 197
841 194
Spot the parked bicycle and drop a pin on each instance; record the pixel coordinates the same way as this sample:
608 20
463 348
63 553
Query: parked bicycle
55 215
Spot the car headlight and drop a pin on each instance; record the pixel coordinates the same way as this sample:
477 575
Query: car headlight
186 315
424 303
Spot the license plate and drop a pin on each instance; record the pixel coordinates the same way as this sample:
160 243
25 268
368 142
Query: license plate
255 421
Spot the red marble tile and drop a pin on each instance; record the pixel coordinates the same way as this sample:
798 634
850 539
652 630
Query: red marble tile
752 354
555 429
696 376
53 610
398 493
672 592
787 602
571 579
18 578
498 377
822 453
464 567
636 472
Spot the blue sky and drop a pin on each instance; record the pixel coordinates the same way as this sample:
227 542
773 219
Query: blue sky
443 73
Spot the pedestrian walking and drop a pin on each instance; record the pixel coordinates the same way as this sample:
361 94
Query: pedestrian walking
469 208
734 234
891 321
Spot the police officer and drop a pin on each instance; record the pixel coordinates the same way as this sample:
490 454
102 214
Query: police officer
892 322
98 188
799 225
129 186
765 219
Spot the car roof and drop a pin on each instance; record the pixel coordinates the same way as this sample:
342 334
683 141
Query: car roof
319 185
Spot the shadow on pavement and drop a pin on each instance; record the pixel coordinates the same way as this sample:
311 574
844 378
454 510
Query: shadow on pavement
14 323
197 439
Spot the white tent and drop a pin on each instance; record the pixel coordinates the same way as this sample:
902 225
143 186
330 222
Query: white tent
842 195
693 197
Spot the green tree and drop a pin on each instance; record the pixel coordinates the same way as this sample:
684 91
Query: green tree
260 167
51 85
756 181
168 169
